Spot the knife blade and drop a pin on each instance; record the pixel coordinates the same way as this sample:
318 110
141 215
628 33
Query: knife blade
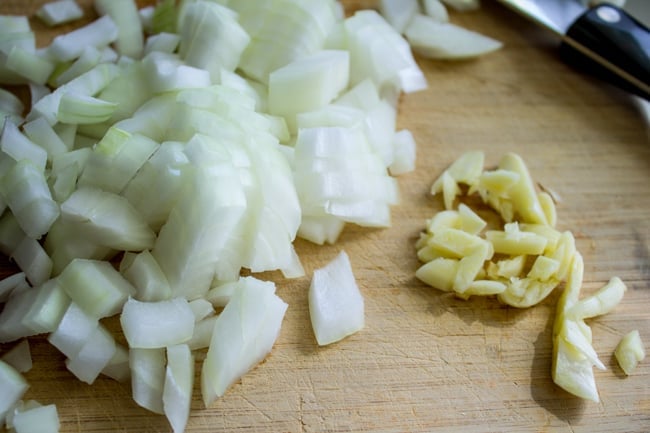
603 40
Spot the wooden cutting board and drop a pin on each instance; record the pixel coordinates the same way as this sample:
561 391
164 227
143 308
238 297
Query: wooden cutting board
427 361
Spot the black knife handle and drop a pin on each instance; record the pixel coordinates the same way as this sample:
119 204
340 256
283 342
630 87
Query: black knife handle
618 40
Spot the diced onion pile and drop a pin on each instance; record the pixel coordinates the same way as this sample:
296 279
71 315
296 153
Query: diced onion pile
184 142
521 264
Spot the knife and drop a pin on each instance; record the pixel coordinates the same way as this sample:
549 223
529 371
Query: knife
603 40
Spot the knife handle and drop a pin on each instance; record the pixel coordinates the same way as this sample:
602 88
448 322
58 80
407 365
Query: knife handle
612 45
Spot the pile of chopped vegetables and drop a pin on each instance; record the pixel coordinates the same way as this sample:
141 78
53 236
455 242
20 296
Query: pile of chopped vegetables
165 149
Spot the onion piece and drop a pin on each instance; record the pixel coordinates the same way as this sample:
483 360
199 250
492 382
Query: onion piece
10 283
162 42
177 389
73 331
379 52
11 106
71 45
144 273
82 109
399 12
116 159
148 377
54 13
17 146
13 387
443 40
28 196
93 356
41 133
90 58
40 419
435 9
308 83
190 244
47 309
243 335
130 40
211 37
118 366
29 64
32 259
152 325
404 151
336 306
108 219
95 286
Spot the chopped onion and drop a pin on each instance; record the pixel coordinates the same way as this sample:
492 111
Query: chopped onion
399 12
32 259
95 286
108 219
29 64
435 9
28 196
148 377
168 152
124 13
243 335
443 40
41 133
98 33
13 387
144 273
15 145
118 366
336 305
93 356
10 283
152 325
40 419
177 389
308 83
54 13
211 37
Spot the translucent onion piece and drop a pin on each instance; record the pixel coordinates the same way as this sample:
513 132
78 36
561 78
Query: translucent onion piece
336 306
308 83
32 259
399 12
41 419
68 46
124 13
151 325
144 273
95 286
243 335
108 219
118 366
93 356
13 387
211 37
148 377
59 12
116 159
177 390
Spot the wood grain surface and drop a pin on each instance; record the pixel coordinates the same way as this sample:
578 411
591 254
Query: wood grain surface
427 361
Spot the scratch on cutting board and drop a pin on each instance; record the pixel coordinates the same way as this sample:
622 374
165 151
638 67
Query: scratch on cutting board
642 254
256 408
